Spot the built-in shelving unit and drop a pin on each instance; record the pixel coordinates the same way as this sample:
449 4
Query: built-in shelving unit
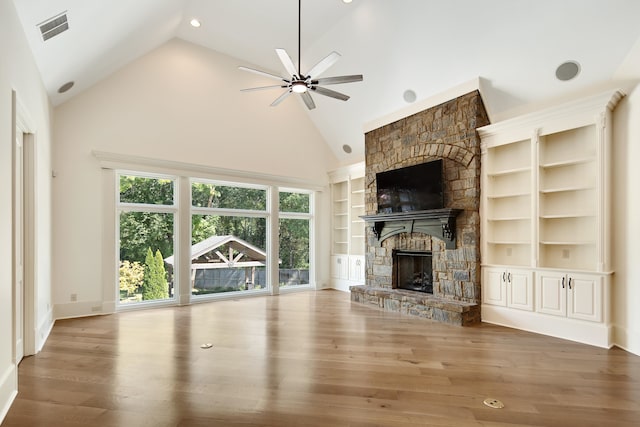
348 228
545 220
507 205
357 223
567 181
340 220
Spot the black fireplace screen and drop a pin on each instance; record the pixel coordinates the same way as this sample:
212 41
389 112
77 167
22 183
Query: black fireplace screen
413 270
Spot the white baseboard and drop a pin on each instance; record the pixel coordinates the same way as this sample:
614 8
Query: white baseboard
592 333
108 307
343 285
626 339
43 330
77 309
8 389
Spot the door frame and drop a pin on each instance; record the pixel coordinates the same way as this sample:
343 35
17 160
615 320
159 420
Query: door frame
23 123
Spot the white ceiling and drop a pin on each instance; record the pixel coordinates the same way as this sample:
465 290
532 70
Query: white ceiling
428 46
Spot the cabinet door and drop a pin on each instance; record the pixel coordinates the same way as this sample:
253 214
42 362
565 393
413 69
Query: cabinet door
551 295
356 269
494 290
584 295
339 267
520 289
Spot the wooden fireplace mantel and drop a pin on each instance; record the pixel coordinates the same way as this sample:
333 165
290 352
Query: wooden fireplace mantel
440 223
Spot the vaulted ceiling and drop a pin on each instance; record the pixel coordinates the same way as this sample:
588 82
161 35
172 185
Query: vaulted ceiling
426 46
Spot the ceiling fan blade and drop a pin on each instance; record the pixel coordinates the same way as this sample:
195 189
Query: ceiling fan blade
281 98
331 93
337 80
252 89
306 97
262 73
324 64
287 62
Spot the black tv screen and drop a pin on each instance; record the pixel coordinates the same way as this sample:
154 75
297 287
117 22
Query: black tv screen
414 188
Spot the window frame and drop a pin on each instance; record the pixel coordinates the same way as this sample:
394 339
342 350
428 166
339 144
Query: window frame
266 214
182 175
125 207
310 216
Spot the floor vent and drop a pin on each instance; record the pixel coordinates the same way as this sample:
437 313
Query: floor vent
54 26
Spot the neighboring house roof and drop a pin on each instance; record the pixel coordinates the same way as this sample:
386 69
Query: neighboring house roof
206 254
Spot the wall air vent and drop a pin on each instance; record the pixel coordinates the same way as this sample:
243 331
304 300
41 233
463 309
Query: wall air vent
54 26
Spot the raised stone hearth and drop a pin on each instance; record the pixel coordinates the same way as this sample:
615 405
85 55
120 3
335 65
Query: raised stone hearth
448 132
418 304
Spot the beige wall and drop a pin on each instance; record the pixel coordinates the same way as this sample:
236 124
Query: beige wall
626 220
180 102
18 73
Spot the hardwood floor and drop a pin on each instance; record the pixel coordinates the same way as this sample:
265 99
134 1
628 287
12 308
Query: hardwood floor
314 359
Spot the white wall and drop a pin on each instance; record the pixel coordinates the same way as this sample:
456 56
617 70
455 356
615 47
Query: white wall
626 220
18 73
180 102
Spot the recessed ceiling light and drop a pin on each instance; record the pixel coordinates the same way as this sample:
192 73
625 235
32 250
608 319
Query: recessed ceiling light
409 96
567 70
346 1
346 148
195 23
65 87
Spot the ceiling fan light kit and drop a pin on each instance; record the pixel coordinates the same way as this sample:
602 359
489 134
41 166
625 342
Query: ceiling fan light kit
303 84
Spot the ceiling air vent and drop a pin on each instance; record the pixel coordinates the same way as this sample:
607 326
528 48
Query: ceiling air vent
54 26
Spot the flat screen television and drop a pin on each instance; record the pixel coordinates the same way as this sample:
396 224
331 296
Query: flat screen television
413 188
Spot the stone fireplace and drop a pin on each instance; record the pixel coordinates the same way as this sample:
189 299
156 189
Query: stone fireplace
451 235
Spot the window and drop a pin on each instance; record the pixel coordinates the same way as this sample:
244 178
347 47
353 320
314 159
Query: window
146 229
228 237
228 250
295 232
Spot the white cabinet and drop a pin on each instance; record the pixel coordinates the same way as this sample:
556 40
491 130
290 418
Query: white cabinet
574 295
356 268
347 228
340 267
545 212
508 288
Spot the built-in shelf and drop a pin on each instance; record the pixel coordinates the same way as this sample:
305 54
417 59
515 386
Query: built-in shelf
508 195
567 243
568 215
509 172
565 189
568 162
546 256
515 218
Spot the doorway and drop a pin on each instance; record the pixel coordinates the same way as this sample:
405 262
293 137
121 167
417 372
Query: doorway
23 234
18 243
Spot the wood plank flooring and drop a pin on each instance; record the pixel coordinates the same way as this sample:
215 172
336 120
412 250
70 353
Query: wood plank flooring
315 359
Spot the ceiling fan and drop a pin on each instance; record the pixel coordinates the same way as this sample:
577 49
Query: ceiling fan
301 83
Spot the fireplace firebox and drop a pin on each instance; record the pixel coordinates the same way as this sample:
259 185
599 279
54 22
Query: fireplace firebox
412 270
